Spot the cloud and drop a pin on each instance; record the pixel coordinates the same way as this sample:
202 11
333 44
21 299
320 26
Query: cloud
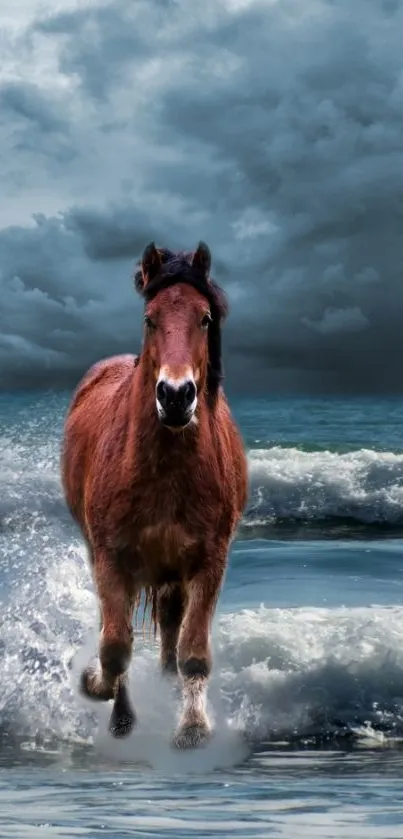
272 130
339 320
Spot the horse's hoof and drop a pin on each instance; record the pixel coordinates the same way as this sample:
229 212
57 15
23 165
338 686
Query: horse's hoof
123 717
192 736
90 687
169 668
121 725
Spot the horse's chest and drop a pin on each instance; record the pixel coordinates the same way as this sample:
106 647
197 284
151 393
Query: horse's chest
173 497
167 516
165 522
165 542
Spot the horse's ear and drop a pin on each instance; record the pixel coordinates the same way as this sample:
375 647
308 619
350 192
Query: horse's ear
150 265
202 260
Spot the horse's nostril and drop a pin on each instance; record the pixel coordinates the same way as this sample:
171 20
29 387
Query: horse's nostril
162 393
189 393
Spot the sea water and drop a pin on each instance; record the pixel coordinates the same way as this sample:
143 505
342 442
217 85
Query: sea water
307 690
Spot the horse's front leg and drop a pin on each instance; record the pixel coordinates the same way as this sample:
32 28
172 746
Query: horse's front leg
116 597
194 650
170 607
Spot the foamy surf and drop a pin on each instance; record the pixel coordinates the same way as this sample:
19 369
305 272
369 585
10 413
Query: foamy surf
289 675
153 749
312 673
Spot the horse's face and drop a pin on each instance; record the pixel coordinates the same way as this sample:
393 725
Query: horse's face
176 327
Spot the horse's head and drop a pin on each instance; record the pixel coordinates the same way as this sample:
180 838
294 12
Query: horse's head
182 330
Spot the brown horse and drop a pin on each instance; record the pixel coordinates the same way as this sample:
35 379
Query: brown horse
155 474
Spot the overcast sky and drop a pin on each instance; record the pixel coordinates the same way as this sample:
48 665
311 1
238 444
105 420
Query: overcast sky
271 129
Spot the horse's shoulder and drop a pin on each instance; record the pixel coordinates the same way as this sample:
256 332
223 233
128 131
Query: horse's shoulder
101 390
107 371
114 367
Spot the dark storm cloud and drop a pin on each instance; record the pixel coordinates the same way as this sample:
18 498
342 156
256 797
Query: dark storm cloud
111 236
272 130
102 41
26 103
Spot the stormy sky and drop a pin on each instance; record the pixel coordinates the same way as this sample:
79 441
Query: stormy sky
272 129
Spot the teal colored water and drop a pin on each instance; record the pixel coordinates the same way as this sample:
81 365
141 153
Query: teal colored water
307 691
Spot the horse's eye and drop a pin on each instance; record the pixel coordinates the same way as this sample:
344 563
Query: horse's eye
148 322
206 320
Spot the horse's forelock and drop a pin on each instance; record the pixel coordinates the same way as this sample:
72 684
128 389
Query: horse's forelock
176 268
172 264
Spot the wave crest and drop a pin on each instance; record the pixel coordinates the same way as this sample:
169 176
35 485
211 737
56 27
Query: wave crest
364 486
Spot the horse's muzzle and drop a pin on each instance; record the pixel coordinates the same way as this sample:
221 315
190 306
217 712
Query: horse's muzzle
176 404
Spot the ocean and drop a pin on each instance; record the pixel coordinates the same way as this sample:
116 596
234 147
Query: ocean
307 689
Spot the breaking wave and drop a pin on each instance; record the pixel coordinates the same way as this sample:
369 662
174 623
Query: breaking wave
364 486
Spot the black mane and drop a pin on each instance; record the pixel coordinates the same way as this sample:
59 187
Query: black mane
177 268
